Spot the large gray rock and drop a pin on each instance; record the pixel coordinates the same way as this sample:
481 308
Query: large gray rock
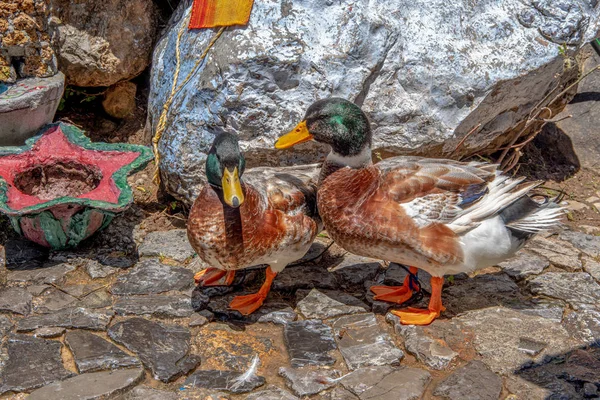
100 43
473 381
92 353
425 71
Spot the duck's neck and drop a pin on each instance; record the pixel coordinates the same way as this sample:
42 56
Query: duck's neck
335 161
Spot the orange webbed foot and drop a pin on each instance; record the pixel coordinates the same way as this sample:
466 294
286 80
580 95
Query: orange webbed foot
416 316
392 294
247 304
212 277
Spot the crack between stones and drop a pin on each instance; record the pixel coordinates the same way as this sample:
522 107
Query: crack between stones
375 72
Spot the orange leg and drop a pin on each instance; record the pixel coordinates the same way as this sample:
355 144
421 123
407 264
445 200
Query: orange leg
211 277
395 294
248 304
416 316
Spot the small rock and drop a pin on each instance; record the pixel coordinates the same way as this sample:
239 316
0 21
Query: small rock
524 264
592 267
584 325
49 332
94 385
96 270
531 347
224 380
590 390
576 205
577 289
44 275
162 348
155 305
32 363
151 276
92 353
148 393
401 384
473 381
329 304
36 290
119 99
434 353
22 254
271 393
353 270
497 331
589 244
304 277
197 320
362 342
560 254
305 382
75 318
16 300
172 244
363 379
309 342
5 325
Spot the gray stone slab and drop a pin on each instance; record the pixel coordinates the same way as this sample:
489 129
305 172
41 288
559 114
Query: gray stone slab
306 382
401 384
578 289
31 363
51 332
474 381
75 318
589 244
430 351
230 381
560 253
524 264
165 306
363 379
309 343
151 276
96 270
271 393
172 244
584 325
91 386
16 300
5 325
592 267
162 348
323 304
92 353
46 274
497 333
148 393
362 342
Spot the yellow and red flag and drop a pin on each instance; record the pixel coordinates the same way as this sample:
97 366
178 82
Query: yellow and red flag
213 13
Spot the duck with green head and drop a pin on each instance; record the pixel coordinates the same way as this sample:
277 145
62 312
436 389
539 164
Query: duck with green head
442 216
249 218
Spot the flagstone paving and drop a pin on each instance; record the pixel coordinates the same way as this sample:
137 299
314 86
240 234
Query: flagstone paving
527 329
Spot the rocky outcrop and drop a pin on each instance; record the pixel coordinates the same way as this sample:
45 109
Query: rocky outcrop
426 72
25 49
103 42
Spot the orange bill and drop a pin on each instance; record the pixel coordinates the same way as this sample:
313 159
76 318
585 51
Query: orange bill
299 134
213 13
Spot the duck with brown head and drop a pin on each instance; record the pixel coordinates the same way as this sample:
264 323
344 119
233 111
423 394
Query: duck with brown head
244 218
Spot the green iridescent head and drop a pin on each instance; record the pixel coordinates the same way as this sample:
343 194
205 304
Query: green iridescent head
225 165
334 121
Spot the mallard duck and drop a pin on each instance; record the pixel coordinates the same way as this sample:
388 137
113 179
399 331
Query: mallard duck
442 216
268 217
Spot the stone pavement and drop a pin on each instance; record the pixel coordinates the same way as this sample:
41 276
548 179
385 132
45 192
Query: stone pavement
94 324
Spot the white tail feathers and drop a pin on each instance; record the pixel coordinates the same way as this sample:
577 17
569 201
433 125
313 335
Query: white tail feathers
545 217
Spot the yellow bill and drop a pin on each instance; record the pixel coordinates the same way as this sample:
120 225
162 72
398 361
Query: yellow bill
299 134
232 188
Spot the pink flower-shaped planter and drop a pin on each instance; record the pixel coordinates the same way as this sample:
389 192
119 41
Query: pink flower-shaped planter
60 188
